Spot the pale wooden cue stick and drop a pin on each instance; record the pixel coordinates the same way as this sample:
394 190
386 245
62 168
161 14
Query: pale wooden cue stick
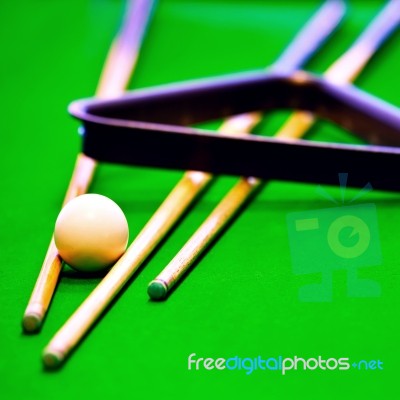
344 70
115 77
303 46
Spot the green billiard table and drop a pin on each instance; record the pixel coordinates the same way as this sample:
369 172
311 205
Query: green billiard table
246 299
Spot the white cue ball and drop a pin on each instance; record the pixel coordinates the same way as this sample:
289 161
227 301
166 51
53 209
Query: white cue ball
91 233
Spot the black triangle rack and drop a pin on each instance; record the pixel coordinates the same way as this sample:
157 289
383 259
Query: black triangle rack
150 128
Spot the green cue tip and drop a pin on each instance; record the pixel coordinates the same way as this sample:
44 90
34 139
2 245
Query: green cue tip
157 289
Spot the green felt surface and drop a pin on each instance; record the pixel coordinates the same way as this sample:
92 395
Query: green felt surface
241 299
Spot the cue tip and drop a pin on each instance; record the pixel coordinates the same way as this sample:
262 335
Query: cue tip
52 359
31 323
157 289
33 318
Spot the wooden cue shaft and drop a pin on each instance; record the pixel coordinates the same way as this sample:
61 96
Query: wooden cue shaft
117 70
344 70
179 199
347 67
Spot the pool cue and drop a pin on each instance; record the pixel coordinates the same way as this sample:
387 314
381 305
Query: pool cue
344 70
362 50
316 32
117 70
